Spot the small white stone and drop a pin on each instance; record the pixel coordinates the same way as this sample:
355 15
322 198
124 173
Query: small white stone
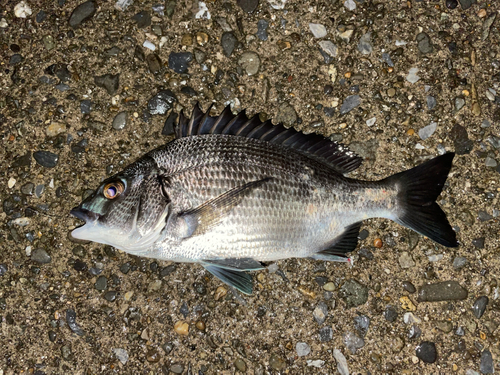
401 43
202 11
51 183
318 363
341 362
11 182
350 4
123 4
490 96
3 23
371 121
418 146
409 318
121 354
428 130
272 268
277 4
22 221
22 10
149 45
318 30
435 257
332 72
412 75
28 251
163 40
346 35
328 47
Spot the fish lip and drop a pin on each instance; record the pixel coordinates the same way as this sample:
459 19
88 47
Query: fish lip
83 214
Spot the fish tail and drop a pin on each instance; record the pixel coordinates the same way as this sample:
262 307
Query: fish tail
418 188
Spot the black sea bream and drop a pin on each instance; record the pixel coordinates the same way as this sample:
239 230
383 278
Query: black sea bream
231 192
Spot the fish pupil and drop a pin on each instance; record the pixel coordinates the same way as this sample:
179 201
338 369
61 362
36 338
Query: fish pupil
112 191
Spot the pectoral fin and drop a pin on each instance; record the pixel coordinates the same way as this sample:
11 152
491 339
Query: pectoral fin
236 264
240 280
211 213
345 243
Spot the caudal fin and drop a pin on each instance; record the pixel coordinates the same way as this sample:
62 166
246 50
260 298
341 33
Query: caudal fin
418 189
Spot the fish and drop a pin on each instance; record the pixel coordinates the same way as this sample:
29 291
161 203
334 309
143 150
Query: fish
232 192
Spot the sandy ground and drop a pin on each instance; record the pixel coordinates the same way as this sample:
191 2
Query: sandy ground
67 307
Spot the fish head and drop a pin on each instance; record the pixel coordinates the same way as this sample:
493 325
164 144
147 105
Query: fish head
127 211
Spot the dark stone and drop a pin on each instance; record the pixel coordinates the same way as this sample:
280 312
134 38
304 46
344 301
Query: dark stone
262 26
168 127
184 310
427 352
361 324
189 91
415 332
110 296
478 242
165 271
161 103
22 161
109 82
409 287
82 13
113 51
424 43
79 265
325 334
142 19
451 4
46 159
390 314
139 53
228 42
125 268
179 61
486 366
101 283
61 71
484 216
86 106
463 145
40 16
480 306
72 324
442 291
248 5
62 87
3 269
154 63
466 4
353 293
15 59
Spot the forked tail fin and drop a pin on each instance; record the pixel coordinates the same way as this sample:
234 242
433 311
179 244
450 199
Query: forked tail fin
418 189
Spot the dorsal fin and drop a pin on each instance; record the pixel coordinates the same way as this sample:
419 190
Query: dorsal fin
332 153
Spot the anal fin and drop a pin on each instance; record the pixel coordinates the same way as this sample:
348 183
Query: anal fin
236 264
343 244
239 280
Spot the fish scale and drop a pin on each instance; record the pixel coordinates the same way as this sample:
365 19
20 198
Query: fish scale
231 192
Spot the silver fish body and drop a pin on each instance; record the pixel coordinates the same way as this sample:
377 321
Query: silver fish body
230 201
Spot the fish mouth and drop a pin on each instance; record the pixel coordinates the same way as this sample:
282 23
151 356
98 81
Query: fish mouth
83 214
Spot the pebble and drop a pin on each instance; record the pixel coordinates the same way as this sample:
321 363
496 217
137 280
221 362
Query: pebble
342 367
40 256
72 324
459 103
121 355
86 106
459 262
66 352
22 10
353 293
486 366
302 349
179 61
109 82
487 25
228 42
412 76
154 63
320 313
478 242
353 342
424 43
250 61
3 269
161 103
142 19
350 4
120 120
427 352
147 44
444 325
181 327
451 4
431 102
15 59
490 162
361 324
240 365
484 216
405 260
387 58
11 182
480 306
427 131
177 368
82 13
390 314
466 4
262 26
286 115
330 48
276 362
325 334
463 145
3 23
364 45
409 287
110 296
318 30
410 318
248 5
414 333
350 103
101 283
442 291
54 129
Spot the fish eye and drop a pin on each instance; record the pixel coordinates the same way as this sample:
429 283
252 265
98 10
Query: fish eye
113 189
